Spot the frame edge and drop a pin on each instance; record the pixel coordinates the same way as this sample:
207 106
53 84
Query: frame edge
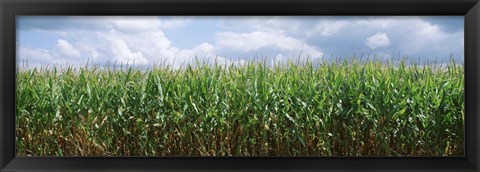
472 42
7 122
473 39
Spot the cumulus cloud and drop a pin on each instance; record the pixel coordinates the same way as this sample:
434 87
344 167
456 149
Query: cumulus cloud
65 24
66 49
328 27
123 54
256 40
118 39
131 24
32 56
143 39
268 42
135 25
144 42
378 40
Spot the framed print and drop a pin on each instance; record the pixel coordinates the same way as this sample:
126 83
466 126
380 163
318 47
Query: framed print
239 85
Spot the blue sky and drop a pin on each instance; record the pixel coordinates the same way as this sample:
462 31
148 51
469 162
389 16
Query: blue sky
177 40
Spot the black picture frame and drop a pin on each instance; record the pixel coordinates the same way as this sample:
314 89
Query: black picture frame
470 9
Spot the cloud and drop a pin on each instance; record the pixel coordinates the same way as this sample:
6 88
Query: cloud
236 39
378 40
125 43
268 41
62 25
133 24
121 52
67 49
32 56
129 24
174 22
327 27
414 36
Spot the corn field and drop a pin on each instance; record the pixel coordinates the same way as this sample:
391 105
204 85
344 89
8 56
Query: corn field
341 108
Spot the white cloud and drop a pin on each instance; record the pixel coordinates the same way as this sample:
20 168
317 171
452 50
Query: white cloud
66 49
123 54
133 24
426 37
281 38
253 41
328 27
244 41
382 22
34 56
287 25
378 40
413 36
88 50
410 35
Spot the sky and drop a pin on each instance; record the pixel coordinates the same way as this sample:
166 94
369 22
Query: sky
179 40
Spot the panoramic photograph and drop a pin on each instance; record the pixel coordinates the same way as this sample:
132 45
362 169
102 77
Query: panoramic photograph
240 86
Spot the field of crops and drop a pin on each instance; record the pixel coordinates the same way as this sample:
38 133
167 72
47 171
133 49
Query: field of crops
344 108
